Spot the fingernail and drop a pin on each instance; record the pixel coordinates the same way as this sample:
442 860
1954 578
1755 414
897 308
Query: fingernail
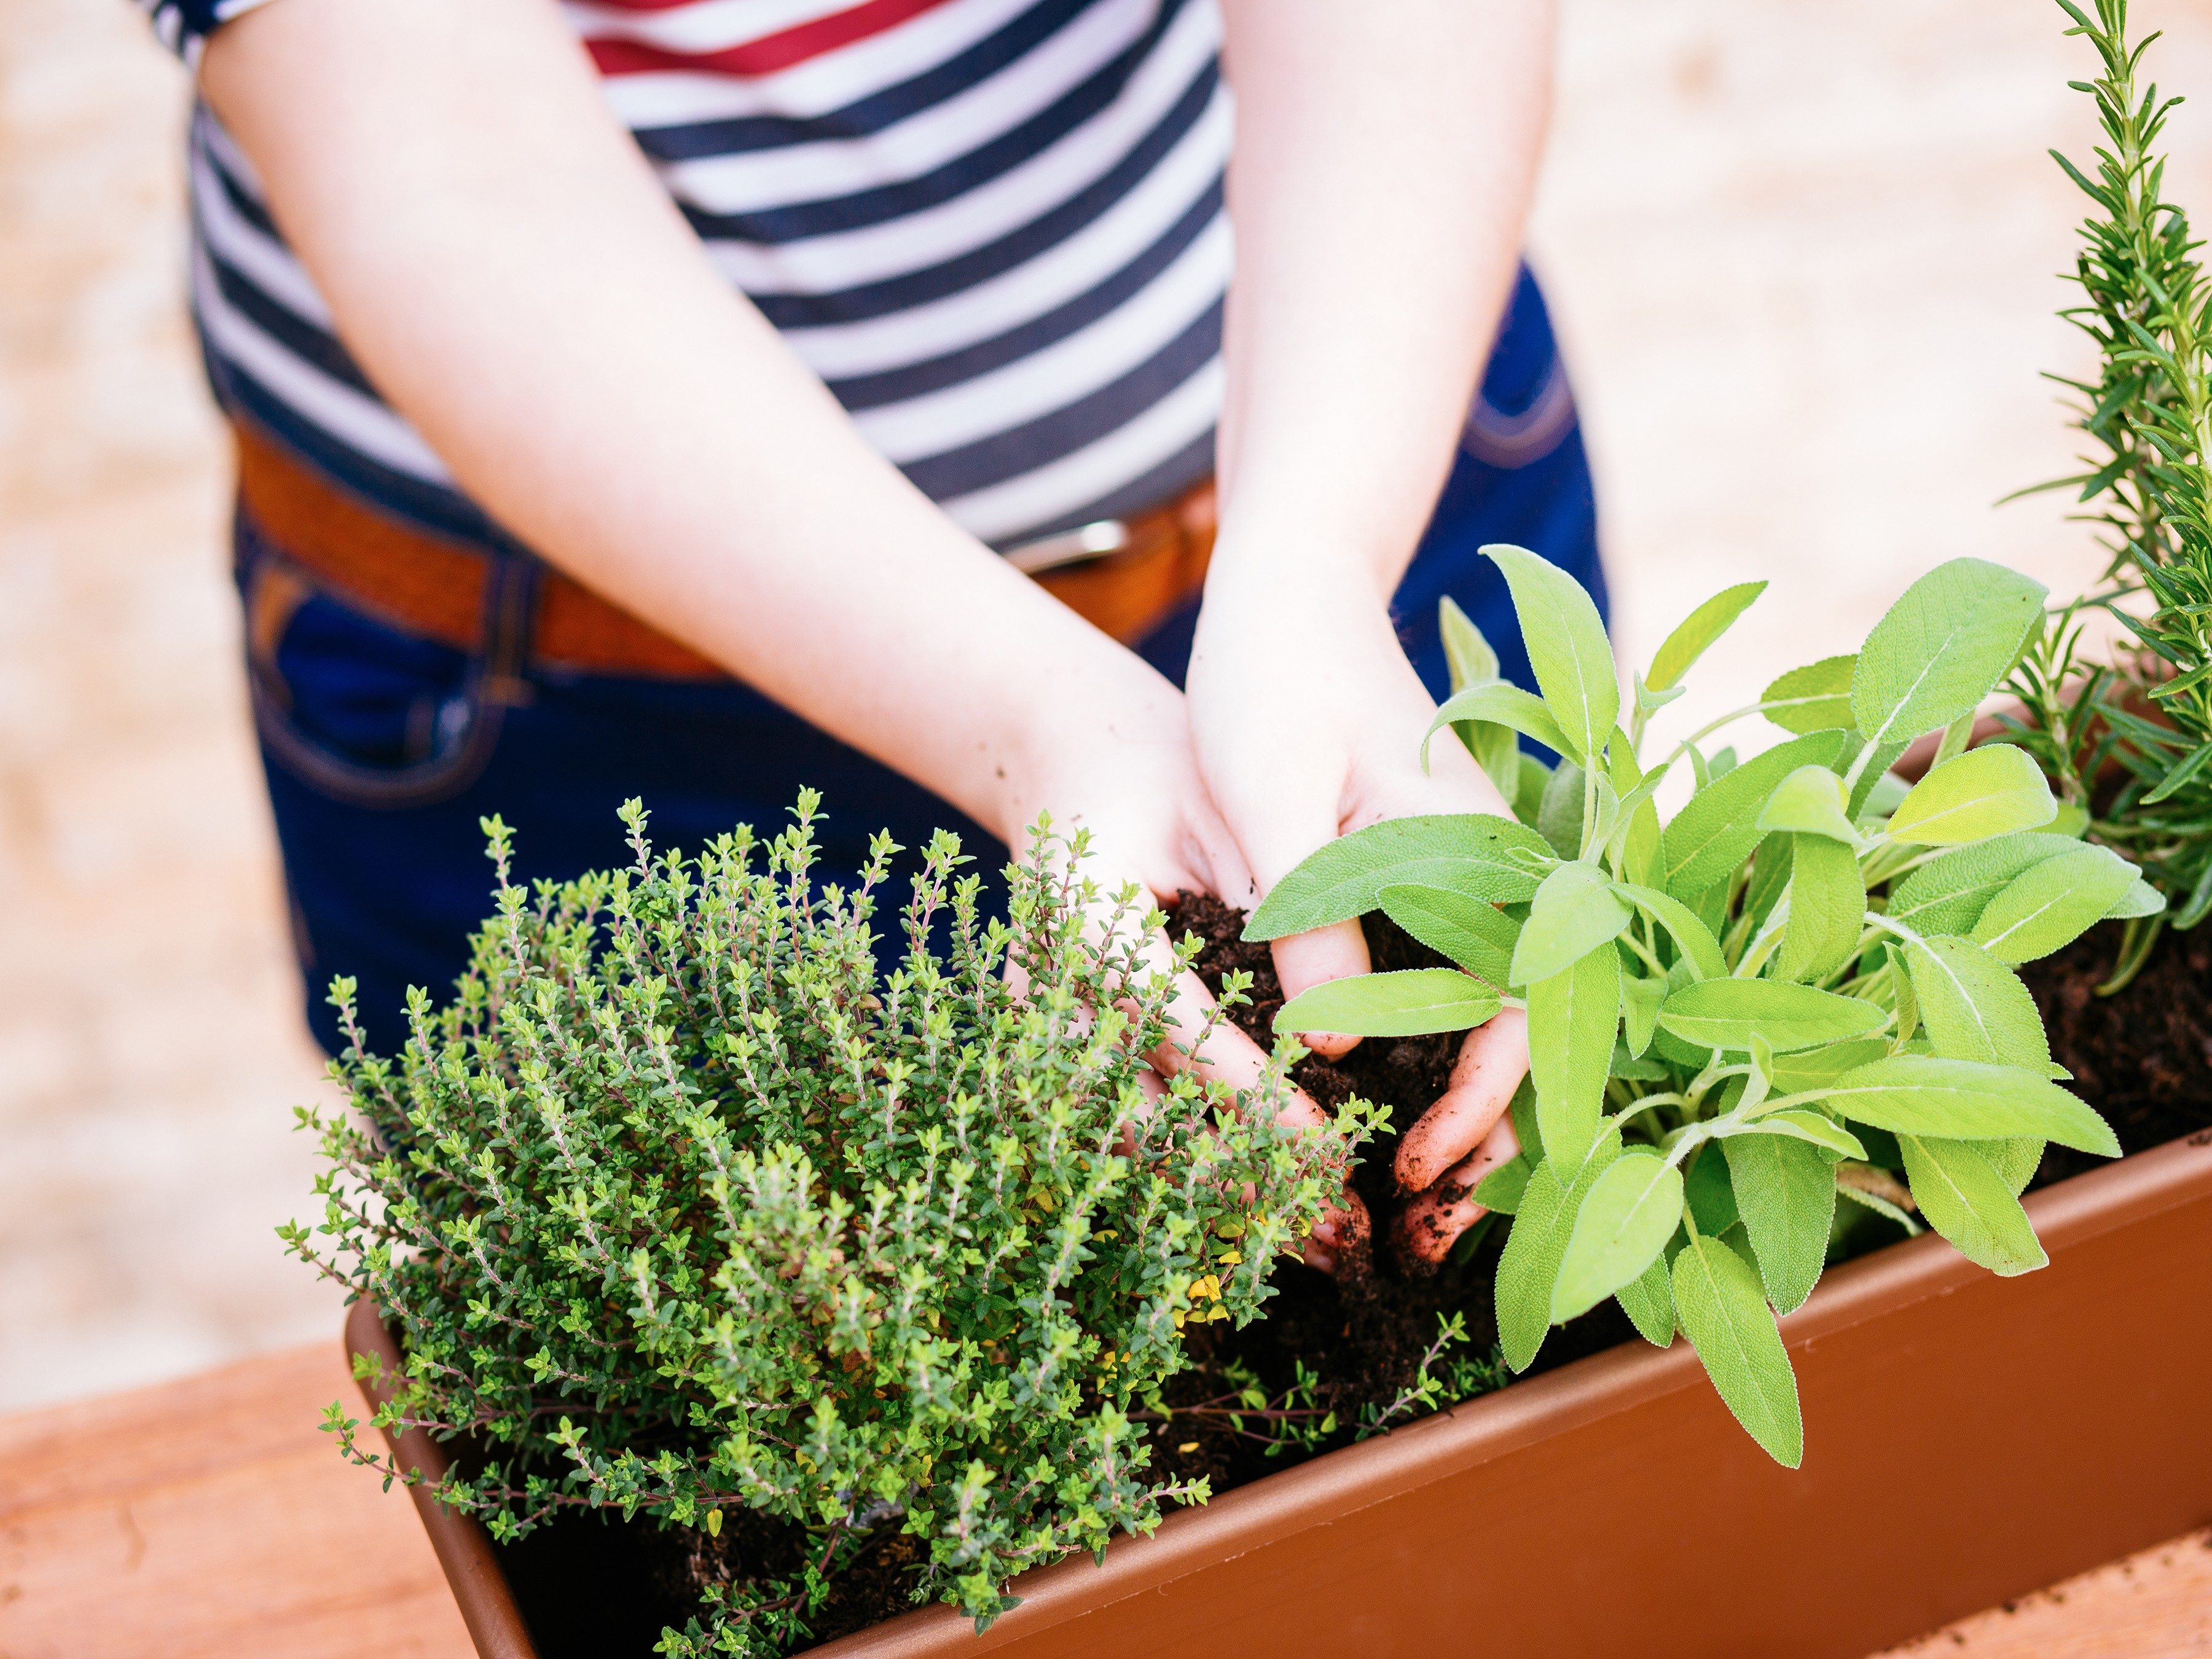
1325 1232
1320 1260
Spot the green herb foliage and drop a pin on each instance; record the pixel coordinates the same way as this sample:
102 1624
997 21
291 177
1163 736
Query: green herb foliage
1796 989
680 1209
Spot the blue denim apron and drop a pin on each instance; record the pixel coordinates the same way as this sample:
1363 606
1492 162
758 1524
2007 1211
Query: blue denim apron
383 750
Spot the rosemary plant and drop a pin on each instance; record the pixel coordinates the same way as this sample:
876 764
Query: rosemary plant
682 1209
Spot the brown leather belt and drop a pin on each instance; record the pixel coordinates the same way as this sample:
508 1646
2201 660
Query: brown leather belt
435 586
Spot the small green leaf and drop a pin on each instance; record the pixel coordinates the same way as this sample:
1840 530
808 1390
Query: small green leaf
1801 1073
1949 894
1724 1013
1698 631
1710 838
1560 812
2048 905
1495 702
1708 1191
1490 858
1527 794
1500 1190
2016 1160
1639 1001
1974 1007
1624 1221
1521 1110
1785 1192
1635 840
1574 912
1529 1266
1479 937
1827 908
1693 940
1572 1016
1567 647
1941 648
1414 1002
1725 1315
1648 1302
1966 1100
1902 995
1809 802
2141 899
1814 698
1985 793
1964 1198
1814 1128
1469 657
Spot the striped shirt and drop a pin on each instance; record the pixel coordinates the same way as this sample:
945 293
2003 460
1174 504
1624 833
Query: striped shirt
993 227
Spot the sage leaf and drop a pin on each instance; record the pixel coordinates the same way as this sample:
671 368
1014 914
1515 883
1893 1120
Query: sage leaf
1694 943
1624 1221
2048 905
1949 894
1901 994
1724 1013
1648 1302
1479 937
1500 1190
1681 648
1785 1193
1966 1100
1814 698
2141 899
1567 648
1531 778
1574 912
1637 837
1974 1007
2016 1160
1716 831
1724 1314
1495 702
1708 1192
1490 858
1573 1016
1559 810
1529 1266
1814 1128
1941 648
1964 1198
1809 802
1469 657
1802 1073
1412 1002
1827 908
1639 1004
1985 793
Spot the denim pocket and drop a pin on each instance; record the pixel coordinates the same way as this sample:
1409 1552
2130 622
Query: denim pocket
361 712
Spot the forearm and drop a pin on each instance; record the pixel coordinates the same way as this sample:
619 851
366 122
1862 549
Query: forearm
504 266
1383 161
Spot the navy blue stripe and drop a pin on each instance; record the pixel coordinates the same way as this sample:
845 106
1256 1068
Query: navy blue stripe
1024 448
892 385
242 201
797 220
291 331
956 75
1149 489
1024 243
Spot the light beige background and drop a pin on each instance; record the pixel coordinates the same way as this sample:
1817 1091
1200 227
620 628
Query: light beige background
1802 256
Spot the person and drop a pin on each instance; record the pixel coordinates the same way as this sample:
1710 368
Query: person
697 399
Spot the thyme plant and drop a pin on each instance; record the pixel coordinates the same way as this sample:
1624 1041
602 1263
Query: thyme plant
680 1209
1798 989
2131 741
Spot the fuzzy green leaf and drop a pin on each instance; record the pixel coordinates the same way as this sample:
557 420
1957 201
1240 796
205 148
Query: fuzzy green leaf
1974 1007
1469 657
1814 698
1724 1314
1966 1100
1941 648
1559 810
1964 1198
1492 858
1479 937
1949 894
1809 802
1639 1005
2047 906
1500 1190
1572 1016
1648 1302
1625 1220
1785 1192
1698 631
1497 703
2141 899
1412 1002
1800 1073
1575 911
1814 1128
1725 1013
1567 647
1716 831
1985 793
1530 1264
1827 908
1693 940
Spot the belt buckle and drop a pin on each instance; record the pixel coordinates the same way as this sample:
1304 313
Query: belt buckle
1085 542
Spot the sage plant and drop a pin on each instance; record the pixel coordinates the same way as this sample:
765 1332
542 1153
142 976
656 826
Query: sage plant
680 1209
1798 989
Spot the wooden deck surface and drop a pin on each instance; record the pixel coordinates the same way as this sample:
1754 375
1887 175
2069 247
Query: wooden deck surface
211 1520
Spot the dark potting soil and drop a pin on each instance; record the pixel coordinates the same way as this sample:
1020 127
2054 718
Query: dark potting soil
595 1585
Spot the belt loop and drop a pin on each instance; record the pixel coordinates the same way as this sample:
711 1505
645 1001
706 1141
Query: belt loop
512 585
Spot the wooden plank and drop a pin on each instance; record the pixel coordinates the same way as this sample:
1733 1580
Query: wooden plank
2156 1605
211 1519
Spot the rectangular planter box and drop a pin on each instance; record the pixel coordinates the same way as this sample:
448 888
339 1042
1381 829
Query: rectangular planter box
1968 1439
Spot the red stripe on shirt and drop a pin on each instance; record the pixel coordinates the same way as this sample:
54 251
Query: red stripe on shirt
771 52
